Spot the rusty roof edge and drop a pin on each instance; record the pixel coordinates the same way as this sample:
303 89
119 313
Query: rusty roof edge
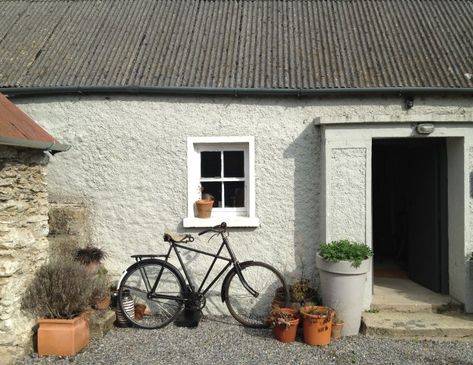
46 146
400 91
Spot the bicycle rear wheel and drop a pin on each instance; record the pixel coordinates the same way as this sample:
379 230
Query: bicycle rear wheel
243 306
144 307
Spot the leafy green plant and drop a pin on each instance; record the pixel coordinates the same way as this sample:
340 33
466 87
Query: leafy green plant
345 250
60 289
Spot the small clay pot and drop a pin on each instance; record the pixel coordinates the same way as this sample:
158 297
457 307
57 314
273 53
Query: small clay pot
140 311
204 208
337 330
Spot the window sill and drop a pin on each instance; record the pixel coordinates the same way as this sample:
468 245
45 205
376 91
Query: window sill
191 222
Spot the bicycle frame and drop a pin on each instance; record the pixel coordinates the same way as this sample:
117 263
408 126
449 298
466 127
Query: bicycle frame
230 261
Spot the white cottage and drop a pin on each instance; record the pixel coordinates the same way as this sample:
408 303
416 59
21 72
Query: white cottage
309 121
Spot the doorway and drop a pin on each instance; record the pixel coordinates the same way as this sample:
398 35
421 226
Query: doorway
410 210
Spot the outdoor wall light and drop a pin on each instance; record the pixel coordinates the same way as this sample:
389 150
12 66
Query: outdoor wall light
409 102
425 128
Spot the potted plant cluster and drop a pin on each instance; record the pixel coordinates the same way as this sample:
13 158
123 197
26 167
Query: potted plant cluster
284 322
59 296
343 266
204 205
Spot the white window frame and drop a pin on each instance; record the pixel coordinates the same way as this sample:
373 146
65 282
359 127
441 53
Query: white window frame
234 217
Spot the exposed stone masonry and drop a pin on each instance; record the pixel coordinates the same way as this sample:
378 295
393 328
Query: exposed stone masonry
23 243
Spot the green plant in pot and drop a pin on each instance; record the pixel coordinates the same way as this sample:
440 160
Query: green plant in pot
58 296
91 257
342 267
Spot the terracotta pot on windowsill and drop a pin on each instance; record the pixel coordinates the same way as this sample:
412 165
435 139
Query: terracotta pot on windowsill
204 208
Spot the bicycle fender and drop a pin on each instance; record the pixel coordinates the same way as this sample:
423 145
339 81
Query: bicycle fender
151 260
226 281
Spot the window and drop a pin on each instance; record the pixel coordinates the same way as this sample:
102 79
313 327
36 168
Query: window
224 168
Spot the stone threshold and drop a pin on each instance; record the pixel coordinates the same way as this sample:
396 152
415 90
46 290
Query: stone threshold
425 325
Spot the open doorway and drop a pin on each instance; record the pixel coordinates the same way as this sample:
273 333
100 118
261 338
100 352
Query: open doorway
410 226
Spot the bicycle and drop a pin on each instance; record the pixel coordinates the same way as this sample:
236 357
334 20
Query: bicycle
248 289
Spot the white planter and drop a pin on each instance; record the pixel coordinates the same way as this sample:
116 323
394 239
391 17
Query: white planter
343 288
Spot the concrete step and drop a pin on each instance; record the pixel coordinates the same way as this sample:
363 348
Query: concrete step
101 321
449 325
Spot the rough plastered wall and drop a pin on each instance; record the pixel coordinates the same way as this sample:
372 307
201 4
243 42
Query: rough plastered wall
23 243
128 165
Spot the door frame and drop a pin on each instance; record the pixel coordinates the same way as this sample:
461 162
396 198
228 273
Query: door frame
346 209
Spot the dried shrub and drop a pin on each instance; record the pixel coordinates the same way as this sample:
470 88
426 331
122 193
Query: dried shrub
101 286
61 289
302 292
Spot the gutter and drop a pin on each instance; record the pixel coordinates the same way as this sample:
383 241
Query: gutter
398 91
54 147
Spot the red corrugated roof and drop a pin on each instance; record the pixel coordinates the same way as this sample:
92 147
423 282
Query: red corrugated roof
18 129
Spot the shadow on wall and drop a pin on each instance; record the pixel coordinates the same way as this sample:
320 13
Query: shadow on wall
306 152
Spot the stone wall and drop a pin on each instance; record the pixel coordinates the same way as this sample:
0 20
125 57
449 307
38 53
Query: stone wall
68 228
23 243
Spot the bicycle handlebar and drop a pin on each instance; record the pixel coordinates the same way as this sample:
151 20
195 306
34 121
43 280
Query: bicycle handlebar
219 228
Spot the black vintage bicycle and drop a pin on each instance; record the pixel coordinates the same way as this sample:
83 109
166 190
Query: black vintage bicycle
248 288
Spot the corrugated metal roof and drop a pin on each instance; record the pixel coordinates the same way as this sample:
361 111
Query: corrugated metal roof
18 129
268 44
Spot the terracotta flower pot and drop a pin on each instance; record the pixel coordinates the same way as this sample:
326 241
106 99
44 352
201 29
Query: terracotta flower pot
92 267
62 337
204 208
285 333
317 327
337 330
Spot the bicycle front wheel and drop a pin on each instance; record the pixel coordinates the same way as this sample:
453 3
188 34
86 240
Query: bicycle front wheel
151 294
249 310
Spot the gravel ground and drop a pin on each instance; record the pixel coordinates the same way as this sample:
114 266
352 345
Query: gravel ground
220 341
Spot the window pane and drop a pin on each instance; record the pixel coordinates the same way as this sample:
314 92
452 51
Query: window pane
235 194
233 164
210 164
214 189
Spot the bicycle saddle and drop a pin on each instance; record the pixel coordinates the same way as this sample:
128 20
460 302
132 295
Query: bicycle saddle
176 237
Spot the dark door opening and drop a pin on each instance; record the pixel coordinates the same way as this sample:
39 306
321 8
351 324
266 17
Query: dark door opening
410 237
